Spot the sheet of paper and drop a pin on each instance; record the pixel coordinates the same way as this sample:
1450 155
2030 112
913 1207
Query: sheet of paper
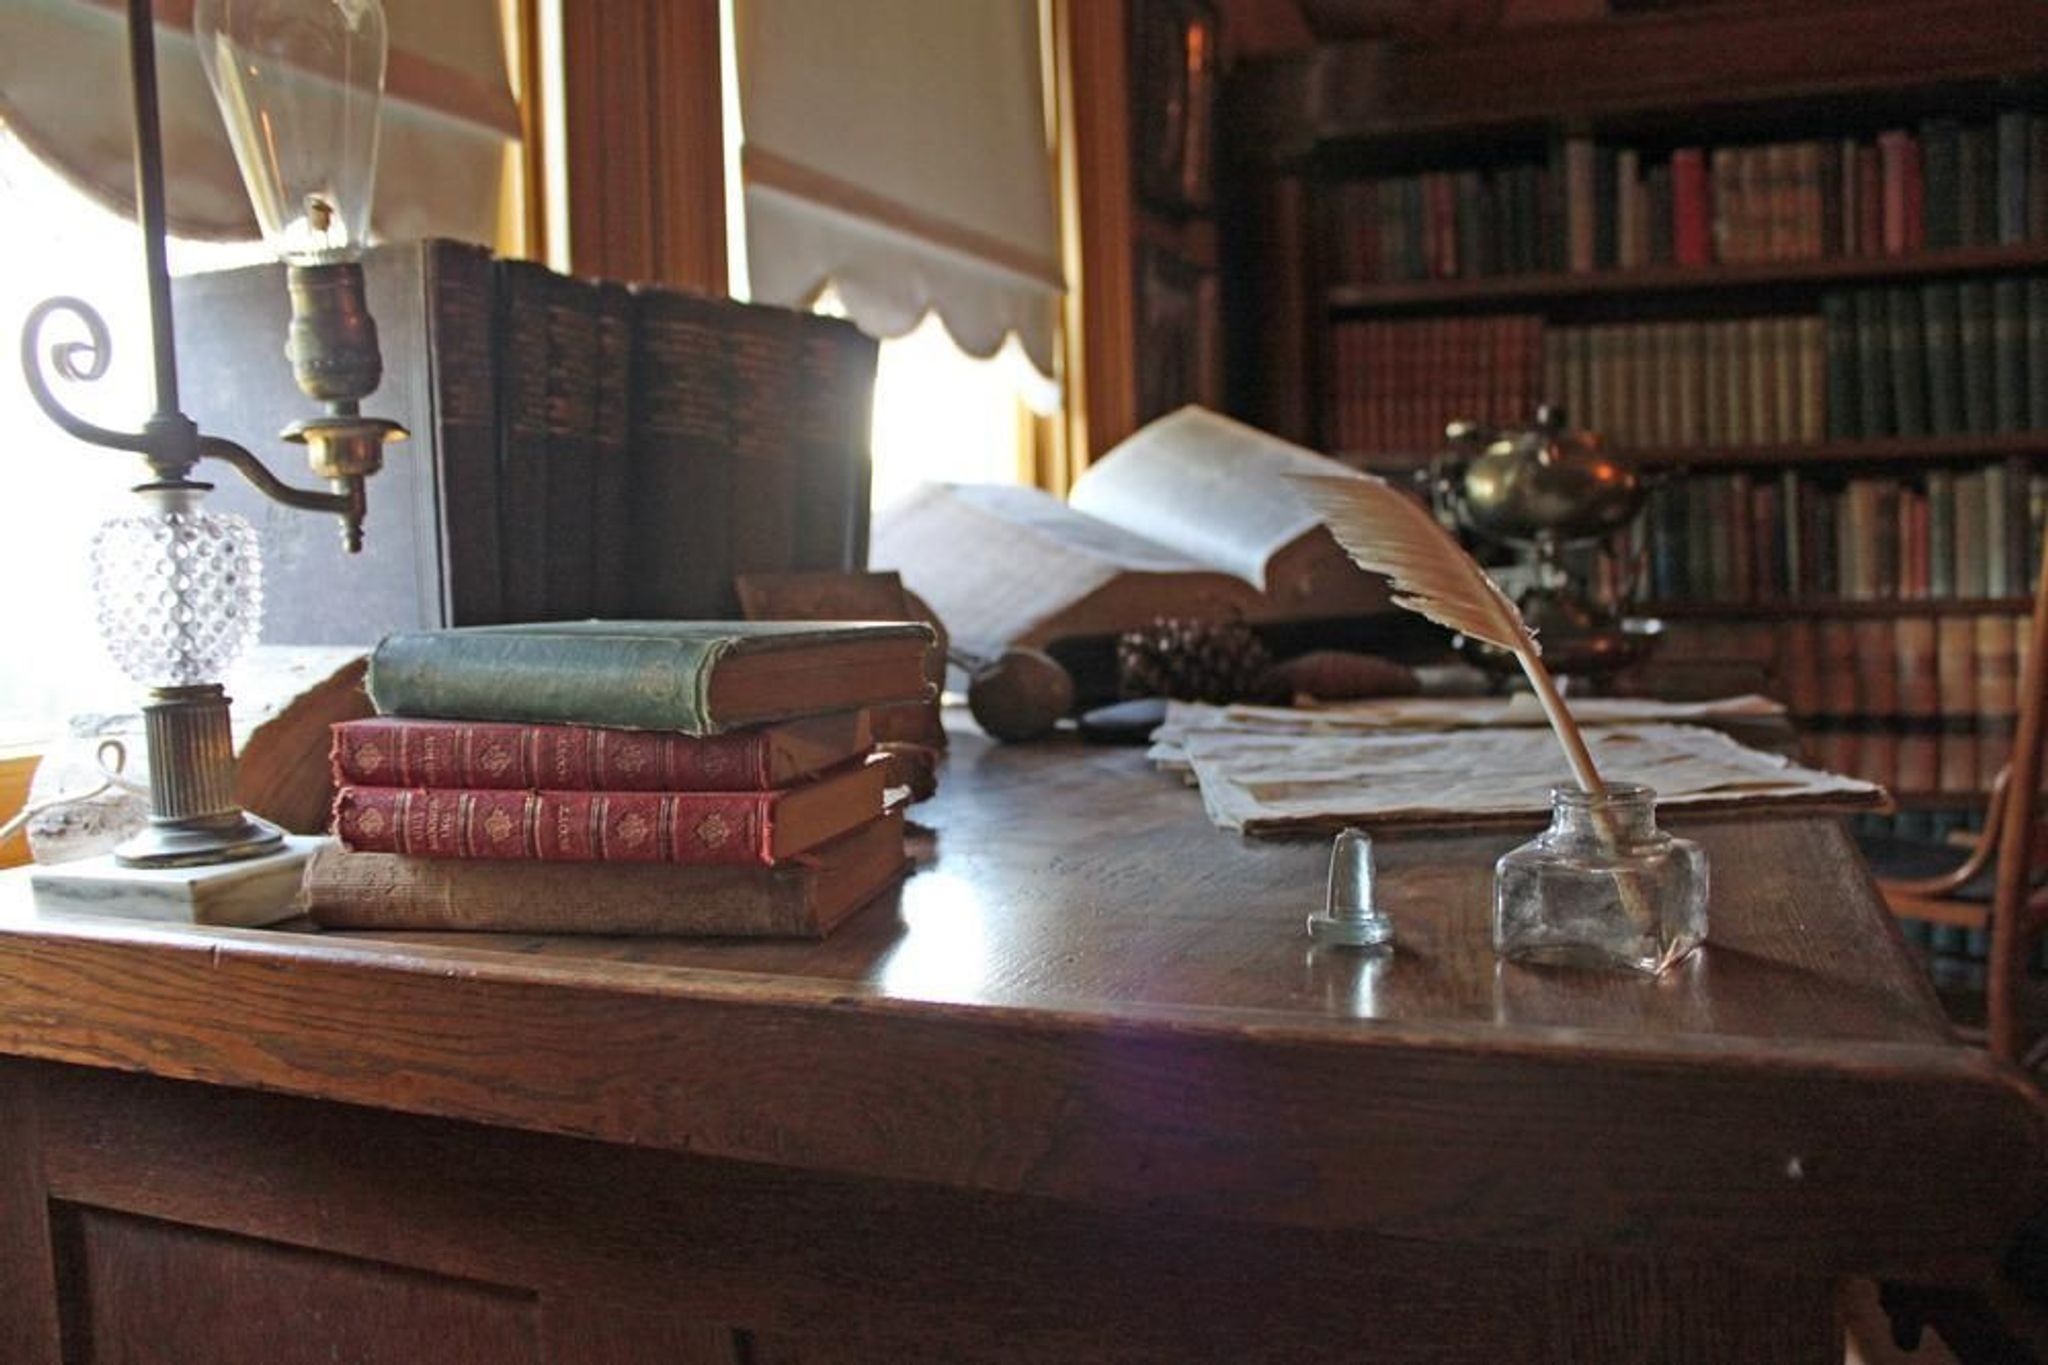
995 562
1269 783
1214 489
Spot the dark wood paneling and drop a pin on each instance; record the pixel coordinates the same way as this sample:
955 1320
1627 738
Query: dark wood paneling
141 1292
1609 72
622 1248
28 1285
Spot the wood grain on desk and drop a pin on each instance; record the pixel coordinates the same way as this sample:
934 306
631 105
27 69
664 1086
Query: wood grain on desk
1089 994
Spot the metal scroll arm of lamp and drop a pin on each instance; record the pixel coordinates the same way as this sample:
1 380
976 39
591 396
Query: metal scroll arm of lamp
298 83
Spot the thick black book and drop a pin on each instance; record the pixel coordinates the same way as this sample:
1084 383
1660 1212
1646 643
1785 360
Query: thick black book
1979 358
525 546
1875 401
1940 326
1940 178
2009 352
750 450
835 416
682 461
2037 353
1976 187
2013 155
611 496
571 446
1838 336
430 554
1908 355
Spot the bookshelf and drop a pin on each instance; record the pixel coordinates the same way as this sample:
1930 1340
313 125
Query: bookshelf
1562 287
1792 258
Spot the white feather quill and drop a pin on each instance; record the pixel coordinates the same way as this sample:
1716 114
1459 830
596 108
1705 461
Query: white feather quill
1388 532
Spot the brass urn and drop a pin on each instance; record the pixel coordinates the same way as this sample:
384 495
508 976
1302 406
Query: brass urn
1553 497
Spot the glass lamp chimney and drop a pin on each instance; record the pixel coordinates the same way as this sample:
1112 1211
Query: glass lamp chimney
299 83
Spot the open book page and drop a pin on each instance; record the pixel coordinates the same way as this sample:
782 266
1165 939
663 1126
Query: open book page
1211 488
1273 784
1004 565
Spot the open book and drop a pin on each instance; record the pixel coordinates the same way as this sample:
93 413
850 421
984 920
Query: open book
1192 516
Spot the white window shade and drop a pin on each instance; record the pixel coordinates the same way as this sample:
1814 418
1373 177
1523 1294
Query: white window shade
448 110
898 151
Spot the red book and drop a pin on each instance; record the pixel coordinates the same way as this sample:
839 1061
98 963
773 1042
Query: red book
1692 215
392 751
694 828
1892 151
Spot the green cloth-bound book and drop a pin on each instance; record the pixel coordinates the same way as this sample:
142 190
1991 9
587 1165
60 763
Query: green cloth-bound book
695 677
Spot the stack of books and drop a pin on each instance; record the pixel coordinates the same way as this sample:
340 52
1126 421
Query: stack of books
713 778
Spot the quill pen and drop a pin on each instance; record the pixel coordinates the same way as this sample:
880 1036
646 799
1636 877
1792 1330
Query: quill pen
1388 532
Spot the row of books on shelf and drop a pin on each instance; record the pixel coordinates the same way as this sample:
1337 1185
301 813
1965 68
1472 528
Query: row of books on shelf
1921 704
1396 383
1952 533
1594 206
606 777
1939 359
578 447
1686 385
1945 358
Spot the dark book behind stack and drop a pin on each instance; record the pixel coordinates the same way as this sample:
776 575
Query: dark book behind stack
619 777
432 549
750 448
577 448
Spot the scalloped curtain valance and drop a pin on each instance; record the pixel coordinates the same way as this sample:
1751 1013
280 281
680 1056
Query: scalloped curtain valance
448 112
899 151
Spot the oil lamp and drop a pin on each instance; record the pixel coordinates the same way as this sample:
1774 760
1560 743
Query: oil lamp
178 586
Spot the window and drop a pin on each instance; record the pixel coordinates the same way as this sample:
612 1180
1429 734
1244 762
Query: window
943 415
59 490
897 159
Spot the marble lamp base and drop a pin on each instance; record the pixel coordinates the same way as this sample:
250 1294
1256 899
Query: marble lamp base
253 892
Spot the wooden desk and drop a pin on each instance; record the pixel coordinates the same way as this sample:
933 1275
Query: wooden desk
1080 1091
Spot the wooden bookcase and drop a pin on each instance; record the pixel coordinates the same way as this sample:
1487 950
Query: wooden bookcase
1878 677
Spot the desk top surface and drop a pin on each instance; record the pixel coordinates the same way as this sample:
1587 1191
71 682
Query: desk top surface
1087 991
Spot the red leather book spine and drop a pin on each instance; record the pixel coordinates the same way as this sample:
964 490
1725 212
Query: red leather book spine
1891 149
1691 215
385 752
698 828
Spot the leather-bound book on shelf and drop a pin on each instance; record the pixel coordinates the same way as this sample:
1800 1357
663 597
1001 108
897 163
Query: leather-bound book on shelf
569 593
806 897
1919 704
1877 700
689 828
693 677
682 461
1798 678
431 556
1997 639
1840 740
766 386
526 548
1956 677
611 484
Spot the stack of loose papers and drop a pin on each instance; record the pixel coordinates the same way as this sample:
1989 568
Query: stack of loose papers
1268 771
